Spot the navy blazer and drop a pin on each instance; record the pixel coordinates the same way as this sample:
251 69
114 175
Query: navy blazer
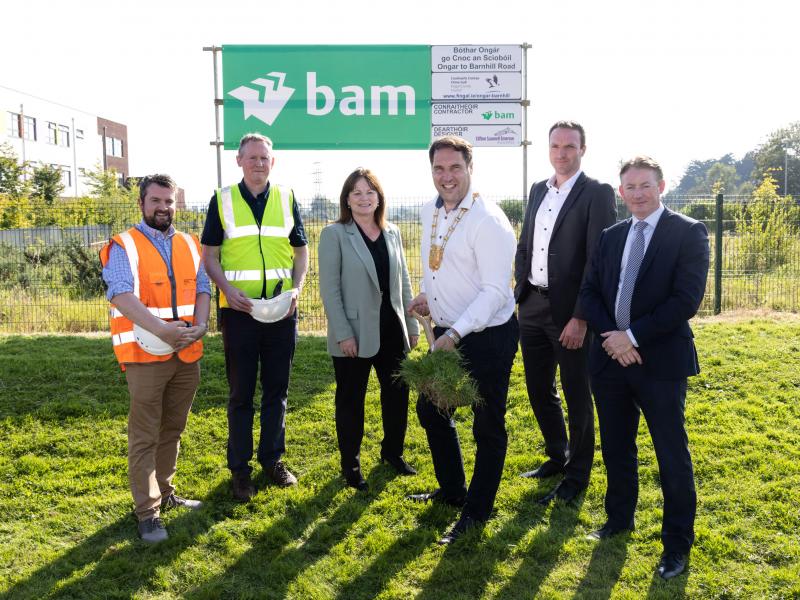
588 209
668 291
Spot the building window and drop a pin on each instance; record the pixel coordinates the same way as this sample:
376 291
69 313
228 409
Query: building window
57 134
63 136
114 147
79 134
29 129
13 124
66 176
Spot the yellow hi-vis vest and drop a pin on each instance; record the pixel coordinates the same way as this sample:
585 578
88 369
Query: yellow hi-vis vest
251 254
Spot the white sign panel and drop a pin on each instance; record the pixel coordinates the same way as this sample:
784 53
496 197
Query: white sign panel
483 135
476 86
475 113
487 58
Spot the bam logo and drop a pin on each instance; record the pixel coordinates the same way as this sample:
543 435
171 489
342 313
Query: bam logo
266 103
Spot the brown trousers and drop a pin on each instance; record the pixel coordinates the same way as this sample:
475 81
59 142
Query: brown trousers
161 397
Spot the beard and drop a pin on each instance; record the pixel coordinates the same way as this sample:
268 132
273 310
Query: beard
160 225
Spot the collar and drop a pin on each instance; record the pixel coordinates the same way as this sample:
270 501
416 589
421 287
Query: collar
652 218
247 195
567 185
466 206
155 233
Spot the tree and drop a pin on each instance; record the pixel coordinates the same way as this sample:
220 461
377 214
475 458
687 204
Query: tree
771 159
46 183
768 228
12 181
514 209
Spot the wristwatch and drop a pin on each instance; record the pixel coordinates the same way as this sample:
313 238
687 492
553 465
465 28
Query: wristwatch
453 335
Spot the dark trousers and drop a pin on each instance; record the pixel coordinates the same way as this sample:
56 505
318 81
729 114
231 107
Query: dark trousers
247 344
489 355
352 375
620 394
541 353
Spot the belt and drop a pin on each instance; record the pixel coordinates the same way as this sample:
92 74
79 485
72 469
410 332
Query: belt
542 291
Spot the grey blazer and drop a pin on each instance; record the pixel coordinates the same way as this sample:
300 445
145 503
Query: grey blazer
348 283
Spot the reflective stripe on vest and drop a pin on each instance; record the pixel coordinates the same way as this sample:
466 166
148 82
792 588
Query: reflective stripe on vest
232 230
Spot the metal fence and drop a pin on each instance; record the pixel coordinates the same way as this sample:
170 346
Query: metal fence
50 277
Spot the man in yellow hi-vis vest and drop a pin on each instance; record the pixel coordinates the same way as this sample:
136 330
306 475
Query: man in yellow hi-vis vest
254 247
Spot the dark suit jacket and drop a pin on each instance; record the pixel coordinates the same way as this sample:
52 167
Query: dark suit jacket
589 208
668 291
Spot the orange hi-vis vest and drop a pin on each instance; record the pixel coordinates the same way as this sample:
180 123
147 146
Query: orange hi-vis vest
166 298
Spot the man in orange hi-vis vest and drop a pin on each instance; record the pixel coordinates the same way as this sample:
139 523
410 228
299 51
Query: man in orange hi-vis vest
160 297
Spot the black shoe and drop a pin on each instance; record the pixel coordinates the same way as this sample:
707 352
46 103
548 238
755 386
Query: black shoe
672 564
242 487
280 475
437 496
464 524
607 531
399 464
152 530
566 491
355 479
548 469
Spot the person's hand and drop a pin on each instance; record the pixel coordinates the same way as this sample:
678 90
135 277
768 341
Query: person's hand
420 305
444 342
573 334
175 333
237 299
413 340
349 347
628 358
196 332
618 346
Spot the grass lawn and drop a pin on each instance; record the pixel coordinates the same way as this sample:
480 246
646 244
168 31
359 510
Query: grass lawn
66 529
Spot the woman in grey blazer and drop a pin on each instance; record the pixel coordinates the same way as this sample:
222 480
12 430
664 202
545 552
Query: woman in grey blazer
365 288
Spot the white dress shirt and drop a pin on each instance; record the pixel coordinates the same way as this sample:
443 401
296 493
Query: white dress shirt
546 216
652 221
471 290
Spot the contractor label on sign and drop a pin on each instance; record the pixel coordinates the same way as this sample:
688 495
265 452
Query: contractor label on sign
328 96
482 135
476 113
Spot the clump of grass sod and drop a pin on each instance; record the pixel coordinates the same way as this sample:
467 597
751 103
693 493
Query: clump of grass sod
440 377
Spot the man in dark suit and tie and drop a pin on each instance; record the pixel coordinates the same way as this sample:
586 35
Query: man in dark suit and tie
647 279
563 221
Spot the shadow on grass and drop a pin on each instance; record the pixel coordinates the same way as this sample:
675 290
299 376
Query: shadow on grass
467 566
115 554
286 548
371 581
604 569
668 590
543 551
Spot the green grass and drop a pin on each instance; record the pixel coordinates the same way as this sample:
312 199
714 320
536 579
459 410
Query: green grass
66 529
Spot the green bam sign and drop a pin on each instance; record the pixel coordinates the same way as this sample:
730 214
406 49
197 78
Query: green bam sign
328 97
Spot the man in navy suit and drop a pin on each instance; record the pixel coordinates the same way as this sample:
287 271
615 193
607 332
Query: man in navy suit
647 279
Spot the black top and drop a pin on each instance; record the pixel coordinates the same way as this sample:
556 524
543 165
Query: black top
213 234
380 256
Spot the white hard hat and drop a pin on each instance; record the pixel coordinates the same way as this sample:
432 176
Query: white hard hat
151 343
272 309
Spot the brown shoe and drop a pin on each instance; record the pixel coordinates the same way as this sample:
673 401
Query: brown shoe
280 475
242 487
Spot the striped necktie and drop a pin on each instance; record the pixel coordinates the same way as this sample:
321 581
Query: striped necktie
631 271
